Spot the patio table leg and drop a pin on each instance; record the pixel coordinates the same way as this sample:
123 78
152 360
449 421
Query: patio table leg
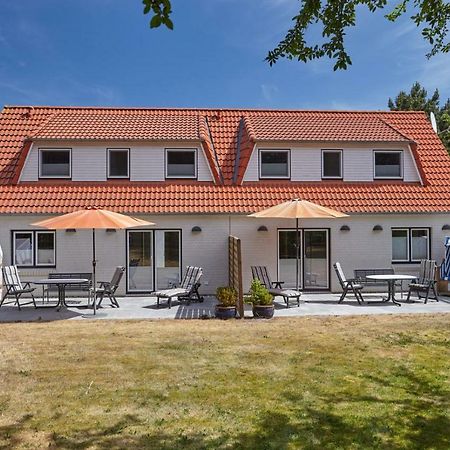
61 297
392 293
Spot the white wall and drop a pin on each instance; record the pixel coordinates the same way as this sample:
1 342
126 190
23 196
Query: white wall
360 247
89 161
306 162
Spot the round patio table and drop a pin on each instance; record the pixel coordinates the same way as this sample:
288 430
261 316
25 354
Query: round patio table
61 283
391 279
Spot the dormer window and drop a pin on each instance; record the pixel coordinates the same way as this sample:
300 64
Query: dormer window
388 164
332 164
181 163
274 164
118 163
54 163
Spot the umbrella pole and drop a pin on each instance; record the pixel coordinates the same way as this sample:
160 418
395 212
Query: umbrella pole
297 246
94 264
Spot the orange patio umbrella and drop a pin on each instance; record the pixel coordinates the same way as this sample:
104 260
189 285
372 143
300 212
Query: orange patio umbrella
92 218
298 209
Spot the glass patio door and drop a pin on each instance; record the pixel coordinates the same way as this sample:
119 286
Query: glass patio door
167 258
140 261
287 257
315 259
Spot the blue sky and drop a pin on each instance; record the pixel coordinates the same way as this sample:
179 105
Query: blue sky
102 52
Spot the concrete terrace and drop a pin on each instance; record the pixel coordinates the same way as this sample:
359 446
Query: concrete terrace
312 304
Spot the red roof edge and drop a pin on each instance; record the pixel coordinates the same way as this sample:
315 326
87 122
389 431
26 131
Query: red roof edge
423 177
21 161
208 148
247 145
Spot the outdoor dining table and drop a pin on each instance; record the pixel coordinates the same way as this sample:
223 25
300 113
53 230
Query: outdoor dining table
391 279
61 283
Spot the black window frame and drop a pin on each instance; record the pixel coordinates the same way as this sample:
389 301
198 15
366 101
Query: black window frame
179 177
409 230
400 152
272 150
34 249
108 163
54 149
341 153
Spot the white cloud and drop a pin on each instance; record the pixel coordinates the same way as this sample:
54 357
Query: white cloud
436 73
269 92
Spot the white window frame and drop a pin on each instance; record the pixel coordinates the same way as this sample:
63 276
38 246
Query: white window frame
409 231
34 249
55 150
36 263
411 241
400 177
408 245
274 150
333 150
15 232
166 163
112 150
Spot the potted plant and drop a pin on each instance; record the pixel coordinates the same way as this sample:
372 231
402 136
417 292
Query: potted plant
261 299
227 298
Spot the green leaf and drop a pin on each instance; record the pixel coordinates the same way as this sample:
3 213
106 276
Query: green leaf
155 22
168 23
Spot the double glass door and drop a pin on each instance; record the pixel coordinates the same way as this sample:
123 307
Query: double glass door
312 248
153 259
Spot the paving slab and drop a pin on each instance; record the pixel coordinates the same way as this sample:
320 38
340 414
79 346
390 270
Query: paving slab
312 304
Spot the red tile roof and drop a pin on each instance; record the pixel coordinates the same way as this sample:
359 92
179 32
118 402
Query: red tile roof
131 125
217 130
155 198
320 126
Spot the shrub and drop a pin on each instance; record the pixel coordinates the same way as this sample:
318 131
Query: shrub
259 295
226 295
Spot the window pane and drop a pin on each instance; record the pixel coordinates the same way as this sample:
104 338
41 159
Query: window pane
419 244
55 163
181 163
171 249
140 261
387 164
118 163
167 256
332 164
45 252
274 164
23 245
399 245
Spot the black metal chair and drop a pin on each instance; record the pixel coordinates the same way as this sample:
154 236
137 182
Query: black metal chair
426 282
274 287
188 289
109 288
348 285
15 288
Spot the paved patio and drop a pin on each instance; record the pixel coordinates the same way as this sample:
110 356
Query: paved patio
313 304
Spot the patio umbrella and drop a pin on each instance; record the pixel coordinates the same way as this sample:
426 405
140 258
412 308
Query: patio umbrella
92 218
298 209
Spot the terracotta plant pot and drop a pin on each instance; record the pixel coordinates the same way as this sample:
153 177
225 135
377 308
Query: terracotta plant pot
225 312
263 311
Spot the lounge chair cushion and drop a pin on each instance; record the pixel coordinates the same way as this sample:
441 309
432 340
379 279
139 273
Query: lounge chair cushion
289 293
419 286
168 293
357 286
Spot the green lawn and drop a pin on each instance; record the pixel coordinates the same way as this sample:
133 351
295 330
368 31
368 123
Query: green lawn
315 383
